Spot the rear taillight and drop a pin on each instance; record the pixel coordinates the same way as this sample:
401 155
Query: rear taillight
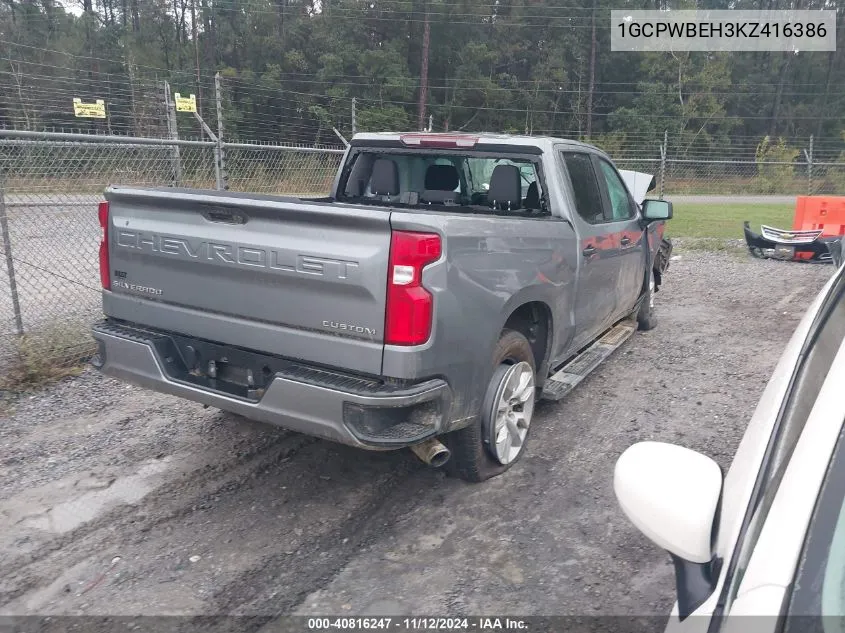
105 278
409 305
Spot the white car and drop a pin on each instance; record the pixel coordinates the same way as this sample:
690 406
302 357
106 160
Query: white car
768 538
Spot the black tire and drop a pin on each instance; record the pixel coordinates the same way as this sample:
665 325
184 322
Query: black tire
646 318
470 459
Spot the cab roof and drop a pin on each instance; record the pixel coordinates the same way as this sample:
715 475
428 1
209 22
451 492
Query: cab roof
461 140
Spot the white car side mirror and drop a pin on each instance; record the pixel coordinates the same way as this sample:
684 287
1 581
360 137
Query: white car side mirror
671 494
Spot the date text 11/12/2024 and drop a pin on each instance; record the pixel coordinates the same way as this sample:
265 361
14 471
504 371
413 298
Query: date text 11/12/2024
459 624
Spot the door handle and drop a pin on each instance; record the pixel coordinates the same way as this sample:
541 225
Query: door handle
625 241
589 251
226 216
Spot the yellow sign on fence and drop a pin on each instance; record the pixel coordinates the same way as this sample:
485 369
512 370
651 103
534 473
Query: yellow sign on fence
96 110
185 104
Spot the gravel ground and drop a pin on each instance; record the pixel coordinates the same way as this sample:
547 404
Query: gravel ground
115 500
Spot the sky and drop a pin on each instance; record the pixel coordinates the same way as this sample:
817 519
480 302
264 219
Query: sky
72 7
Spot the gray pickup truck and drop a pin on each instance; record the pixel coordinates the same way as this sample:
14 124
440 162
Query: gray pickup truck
447 283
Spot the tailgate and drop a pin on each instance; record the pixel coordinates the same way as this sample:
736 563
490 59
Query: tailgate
305 280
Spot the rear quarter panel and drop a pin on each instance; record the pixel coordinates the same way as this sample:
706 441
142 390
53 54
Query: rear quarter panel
490 267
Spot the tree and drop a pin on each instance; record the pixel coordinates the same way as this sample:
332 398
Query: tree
292 67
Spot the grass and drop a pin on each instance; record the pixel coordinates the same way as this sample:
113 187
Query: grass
724 221
52 353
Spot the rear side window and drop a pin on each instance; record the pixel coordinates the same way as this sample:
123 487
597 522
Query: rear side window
585 187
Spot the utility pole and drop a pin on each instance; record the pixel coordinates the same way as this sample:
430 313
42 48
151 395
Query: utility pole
130 68
592 85
424 73
195 35
173 133
354 116
663 150
223 179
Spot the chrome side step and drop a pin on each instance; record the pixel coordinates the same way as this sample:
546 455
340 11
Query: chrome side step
567 378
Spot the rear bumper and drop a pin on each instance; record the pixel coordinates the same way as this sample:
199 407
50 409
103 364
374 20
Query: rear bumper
352 410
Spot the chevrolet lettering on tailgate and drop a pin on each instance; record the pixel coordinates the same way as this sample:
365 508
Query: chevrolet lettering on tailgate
236 255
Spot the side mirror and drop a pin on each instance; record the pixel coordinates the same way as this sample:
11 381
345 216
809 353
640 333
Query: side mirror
657 210
672 495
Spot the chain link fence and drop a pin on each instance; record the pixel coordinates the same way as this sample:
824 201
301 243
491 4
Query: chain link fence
742 177
50 184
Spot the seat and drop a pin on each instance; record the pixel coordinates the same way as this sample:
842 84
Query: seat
440 184
505 188
384 180
532 197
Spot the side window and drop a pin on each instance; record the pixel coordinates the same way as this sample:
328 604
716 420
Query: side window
532 192
526 173
620 203
359 175
584 186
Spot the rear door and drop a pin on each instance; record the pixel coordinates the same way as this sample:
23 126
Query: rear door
599 271
622 218
288 277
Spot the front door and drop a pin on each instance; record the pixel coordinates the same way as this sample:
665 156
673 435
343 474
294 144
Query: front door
628 236
595 301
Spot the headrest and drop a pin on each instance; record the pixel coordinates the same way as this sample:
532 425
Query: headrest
505 187
441 178
384 180
532 196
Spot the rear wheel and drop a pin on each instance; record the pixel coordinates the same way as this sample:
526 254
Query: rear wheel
495 441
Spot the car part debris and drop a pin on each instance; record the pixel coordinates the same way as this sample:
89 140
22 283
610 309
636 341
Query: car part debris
808 246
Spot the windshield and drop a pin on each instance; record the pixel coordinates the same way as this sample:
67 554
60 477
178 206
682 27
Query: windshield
444 180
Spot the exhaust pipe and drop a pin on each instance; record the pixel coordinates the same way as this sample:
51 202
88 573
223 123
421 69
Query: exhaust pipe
432 452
